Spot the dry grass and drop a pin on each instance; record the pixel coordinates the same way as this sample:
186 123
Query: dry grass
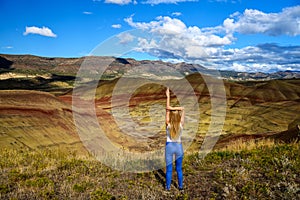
242 145
262 173
62 174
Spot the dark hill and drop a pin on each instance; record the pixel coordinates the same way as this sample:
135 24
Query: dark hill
31 64
69 66
275 90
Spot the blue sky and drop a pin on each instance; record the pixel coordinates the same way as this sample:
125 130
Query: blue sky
242 35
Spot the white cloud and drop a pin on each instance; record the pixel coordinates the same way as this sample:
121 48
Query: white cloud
170 26
155 2
140 25
119 2
116 26
173 39
125 38
44 31
87 13
166 26
176 39
176 14
287 22
261 58
8 47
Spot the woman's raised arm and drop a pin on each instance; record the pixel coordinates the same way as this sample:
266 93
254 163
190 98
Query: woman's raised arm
182 116
168 106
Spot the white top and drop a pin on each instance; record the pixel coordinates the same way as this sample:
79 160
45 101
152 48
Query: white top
169 135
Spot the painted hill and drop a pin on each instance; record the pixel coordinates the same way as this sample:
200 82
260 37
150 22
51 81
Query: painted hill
39 119
32 119
36 108
252 111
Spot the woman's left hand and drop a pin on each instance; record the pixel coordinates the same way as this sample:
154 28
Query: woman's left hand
168 92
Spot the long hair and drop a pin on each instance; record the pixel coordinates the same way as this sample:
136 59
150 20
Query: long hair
175 117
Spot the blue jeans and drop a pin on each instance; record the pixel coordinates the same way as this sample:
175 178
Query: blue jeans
173 148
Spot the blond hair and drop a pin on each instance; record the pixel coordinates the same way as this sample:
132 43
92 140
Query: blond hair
175 118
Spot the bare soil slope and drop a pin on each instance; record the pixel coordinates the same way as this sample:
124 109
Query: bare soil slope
254 111
39 119
35 119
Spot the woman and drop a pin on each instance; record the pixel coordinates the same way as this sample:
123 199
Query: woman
174 127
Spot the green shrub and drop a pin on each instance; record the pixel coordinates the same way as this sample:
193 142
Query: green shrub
101 194
38 182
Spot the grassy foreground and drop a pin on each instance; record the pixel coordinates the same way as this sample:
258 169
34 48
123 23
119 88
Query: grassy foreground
261 173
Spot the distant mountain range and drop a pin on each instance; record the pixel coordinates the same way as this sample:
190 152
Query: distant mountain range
29 65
